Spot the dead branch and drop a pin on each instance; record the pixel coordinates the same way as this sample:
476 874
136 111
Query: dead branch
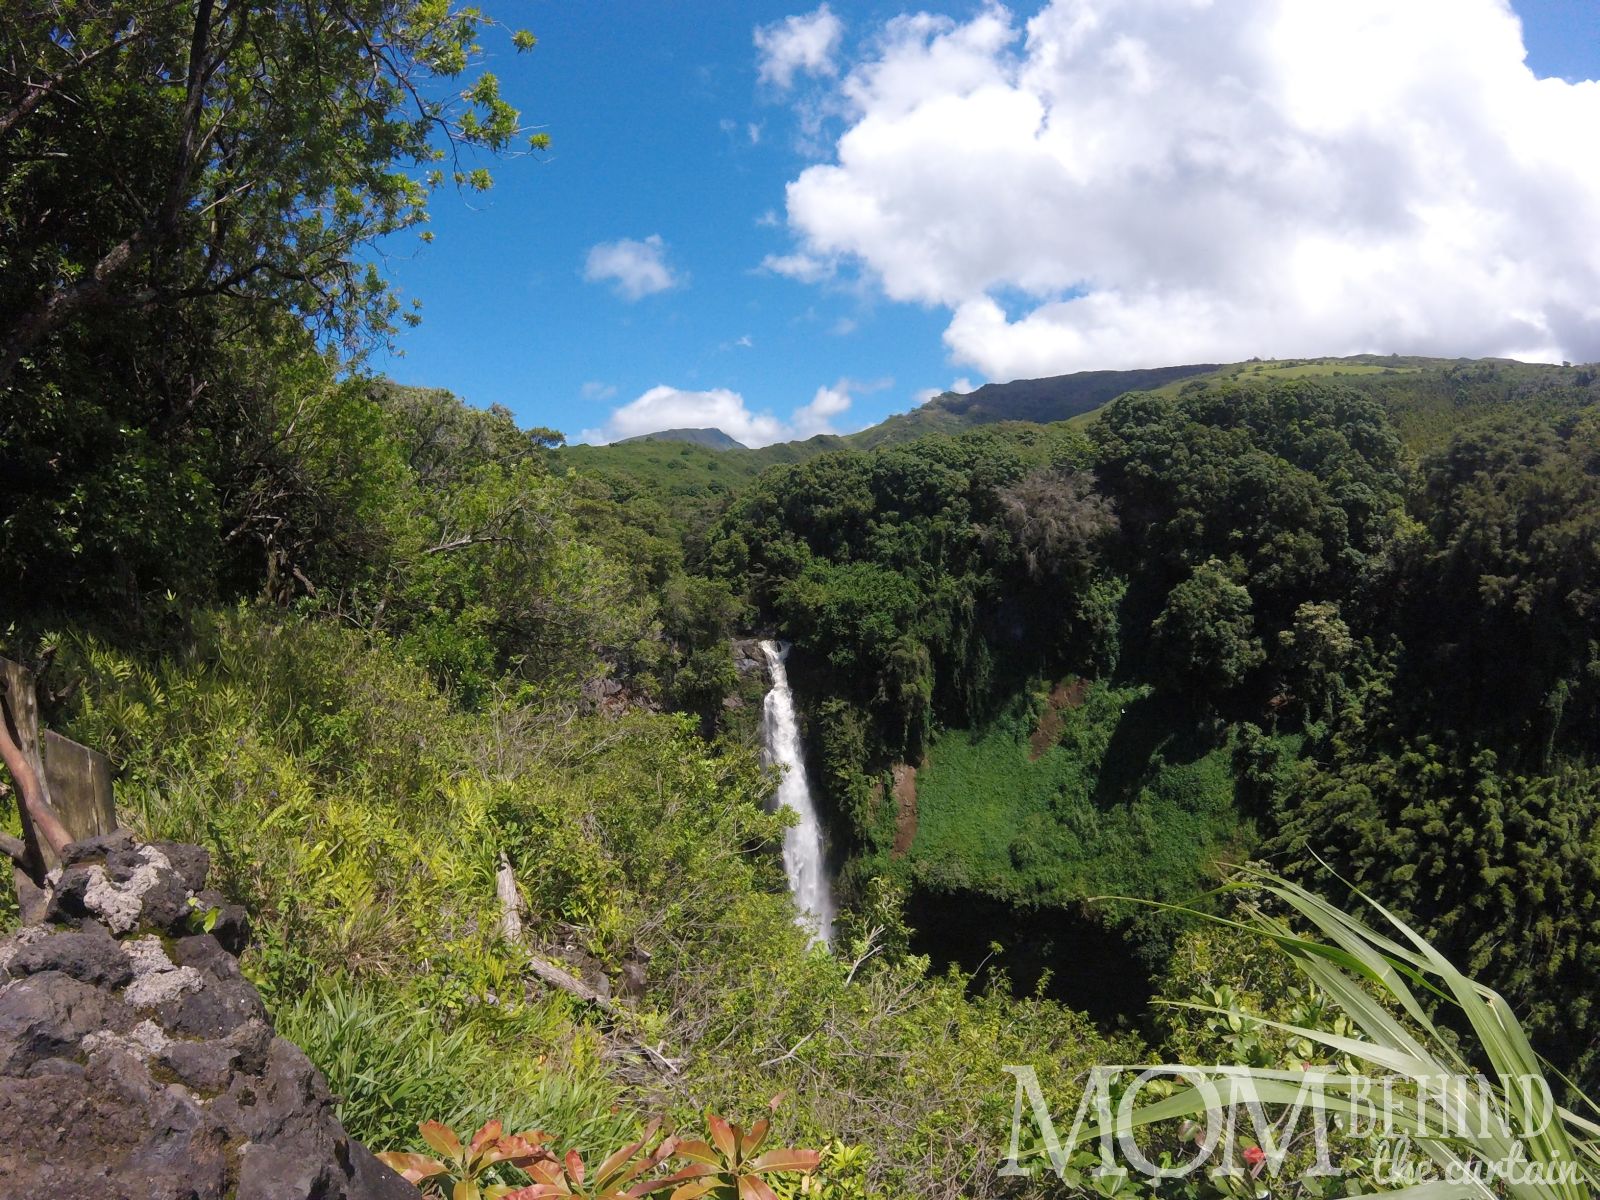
36 810
550 973
15 849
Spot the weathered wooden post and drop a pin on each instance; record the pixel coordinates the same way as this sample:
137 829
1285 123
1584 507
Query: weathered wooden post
63 789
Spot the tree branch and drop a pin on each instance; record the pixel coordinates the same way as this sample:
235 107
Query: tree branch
36 809
38 93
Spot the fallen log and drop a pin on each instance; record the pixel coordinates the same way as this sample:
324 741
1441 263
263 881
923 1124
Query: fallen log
570 983
559 977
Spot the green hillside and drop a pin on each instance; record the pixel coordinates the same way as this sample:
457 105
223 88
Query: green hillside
1426 399
473 725
711 439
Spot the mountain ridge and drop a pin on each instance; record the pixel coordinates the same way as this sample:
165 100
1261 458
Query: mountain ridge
1043 401
1426 398
708 436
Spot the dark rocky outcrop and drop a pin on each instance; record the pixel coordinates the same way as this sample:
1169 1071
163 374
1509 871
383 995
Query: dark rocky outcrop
136 1062
747 657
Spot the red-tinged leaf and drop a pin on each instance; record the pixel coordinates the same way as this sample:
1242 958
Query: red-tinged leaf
694 1171
787 1160
518 1149
652 1185
490 1132
413 1168
722 1136
575 1167
466 1189
693 1191
618 1160
546 1170
480 1149
441 1138
751 1142
753 1187
697 1151
772 1105
536 1191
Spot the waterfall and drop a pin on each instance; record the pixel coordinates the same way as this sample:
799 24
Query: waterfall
802 844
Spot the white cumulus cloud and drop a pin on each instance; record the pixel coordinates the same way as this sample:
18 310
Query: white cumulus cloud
664 407
803 44
817 416
1117 183
637 269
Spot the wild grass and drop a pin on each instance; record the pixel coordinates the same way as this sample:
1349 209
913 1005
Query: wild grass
394 1063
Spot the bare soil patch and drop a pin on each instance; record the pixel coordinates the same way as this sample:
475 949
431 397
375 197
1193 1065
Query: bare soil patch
1065 696
905 807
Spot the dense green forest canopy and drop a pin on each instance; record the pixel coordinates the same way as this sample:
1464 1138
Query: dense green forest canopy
367 643
1276 585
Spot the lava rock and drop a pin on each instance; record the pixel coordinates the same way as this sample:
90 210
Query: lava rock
90 955
191 863
230 925
48 1016
213 1010
98 849
135 887
138 1063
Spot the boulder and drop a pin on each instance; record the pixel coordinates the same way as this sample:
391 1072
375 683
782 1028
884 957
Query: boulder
137 1062
748 656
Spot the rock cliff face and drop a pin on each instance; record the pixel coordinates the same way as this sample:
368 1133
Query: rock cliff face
137 1062
747 657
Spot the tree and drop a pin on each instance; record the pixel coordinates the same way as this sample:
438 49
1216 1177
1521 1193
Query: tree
1510 587
1502 870
1055 519
159 151
1299 481
1205 635
1315 652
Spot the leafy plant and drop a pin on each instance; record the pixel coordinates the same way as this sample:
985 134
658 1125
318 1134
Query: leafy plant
468 1167
728 1167
732 1167
1446 1044
617 1178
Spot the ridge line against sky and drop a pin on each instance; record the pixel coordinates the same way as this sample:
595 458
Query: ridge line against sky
781 221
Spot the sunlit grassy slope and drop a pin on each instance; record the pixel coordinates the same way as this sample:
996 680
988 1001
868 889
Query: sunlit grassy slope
1133 799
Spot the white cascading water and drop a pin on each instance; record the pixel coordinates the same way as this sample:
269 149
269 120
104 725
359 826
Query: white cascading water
802 844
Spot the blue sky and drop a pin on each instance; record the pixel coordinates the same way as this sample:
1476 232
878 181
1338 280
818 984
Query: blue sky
813 232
